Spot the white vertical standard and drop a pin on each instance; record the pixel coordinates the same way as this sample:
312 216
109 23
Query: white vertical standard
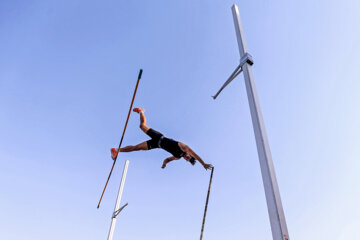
117 209
275 209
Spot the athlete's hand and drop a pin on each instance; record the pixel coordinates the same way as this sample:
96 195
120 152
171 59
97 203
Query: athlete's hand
164 165
208 166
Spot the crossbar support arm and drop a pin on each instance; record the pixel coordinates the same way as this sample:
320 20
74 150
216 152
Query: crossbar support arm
247 58
119 210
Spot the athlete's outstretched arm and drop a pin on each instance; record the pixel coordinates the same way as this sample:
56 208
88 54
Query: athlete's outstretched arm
167 160
197 157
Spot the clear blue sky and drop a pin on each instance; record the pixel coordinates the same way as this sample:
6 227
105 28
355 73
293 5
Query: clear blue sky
67 73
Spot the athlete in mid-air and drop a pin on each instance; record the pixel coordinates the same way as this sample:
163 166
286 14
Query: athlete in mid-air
177 149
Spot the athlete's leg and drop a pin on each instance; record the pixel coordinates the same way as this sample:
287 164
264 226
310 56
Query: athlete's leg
138 147
130 148
143 125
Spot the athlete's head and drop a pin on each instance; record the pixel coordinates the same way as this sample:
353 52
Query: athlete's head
189 158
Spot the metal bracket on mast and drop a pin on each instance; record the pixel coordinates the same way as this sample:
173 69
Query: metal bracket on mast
119 210
247 58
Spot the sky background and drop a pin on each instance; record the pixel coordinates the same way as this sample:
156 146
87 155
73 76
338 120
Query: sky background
67 74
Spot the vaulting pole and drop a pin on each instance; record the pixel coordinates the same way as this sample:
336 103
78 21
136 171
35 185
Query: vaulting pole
206 204
122 137
118 200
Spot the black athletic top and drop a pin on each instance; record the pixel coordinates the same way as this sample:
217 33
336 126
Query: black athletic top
159 141
171 146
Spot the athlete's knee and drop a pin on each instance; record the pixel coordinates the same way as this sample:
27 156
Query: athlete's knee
141 146
144 127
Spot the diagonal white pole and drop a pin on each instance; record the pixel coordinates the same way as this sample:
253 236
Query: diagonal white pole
275 209
116 210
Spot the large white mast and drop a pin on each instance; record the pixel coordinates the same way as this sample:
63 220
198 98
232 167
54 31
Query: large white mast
275 209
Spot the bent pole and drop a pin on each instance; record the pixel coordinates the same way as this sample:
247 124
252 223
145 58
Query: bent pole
118 200
206 204
122 137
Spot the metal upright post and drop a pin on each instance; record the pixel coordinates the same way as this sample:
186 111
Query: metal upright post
275 209
117 209
206 204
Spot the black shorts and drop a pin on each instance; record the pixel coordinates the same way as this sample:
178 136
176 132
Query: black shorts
155 138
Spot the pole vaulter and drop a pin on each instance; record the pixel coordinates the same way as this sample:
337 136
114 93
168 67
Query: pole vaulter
122 137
